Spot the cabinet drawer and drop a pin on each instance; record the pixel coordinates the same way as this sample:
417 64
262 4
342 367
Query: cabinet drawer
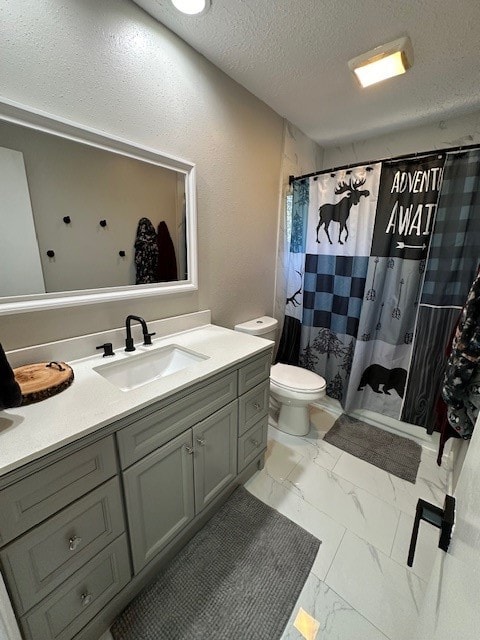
35 498
42 559
252 443
61 615
147 434
254 372
253 405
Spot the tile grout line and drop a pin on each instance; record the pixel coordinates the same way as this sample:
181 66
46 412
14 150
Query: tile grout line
336 463
300 495
343 597
358 612
334 556
396 507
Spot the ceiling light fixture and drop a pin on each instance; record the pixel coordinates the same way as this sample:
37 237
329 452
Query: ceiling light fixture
385 61
192 7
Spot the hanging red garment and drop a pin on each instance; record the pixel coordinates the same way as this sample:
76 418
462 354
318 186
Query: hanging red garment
167 261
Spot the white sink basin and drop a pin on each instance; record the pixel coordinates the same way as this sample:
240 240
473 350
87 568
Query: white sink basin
139 369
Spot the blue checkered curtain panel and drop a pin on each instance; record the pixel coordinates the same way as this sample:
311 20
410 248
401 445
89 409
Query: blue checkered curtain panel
339 229
451 267
407 203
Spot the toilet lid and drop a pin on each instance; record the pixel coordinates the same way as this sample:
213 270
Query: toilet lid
290 377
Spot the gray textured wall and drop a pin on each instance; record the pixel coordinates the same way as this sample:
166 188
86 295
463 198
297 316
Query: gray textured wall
110 66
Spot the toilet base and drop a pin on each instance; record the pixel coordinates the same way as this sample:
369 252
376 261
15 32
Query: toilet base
294 420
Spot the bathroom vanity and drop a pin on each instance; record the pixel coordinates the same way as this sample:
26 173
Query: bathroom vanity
111 484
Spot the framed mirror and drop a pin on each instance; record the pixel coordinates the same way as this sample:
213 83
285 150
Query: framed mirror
88 218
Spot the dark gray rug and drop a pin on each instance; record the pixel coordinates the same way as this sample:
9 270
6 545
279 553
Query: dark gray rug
399 456
239 577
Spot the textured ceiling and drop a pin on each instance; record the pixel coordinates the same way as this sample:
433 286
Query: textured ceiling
293 55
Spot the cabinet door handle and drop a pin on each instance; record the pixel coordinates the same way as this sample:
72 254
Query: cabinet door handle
73 542
86 599
201 441
257 406
254 442
189 450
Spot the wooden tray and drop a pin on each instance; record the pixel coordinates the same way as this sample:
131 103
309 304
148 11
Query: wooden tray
42 380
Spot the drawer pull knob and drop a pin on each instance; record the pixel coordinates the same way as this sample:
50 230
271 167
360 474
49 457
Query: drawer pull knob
257 406
86 599
189 450
254 442
73 542
201 441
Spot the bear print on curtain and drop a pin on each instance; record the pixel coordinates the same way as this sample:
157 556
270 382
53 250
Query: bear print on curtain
404 220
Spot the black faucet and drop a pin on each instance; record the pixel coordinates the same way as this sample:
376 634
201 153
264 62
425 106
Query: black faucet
147 337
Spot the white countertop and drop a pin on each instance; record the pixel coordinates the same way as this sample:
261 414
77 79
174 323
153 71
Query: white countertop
91 402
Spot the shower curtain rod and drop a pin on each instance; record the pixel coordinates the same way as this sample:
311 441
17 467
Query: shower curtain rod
417 154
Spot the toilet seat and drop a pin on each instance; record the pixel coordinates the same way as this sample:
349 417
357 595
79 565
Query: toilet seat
292 378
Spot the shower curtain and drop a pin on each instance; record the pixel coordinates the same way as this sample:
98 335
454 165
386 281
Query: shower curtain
451 267
360 275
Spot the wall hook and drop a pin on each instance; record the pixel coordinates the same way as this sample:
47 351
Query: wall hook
67 219
103 223
50 253
121 254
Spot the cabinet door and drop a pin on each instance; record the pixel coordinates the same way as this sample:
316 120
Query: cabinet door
159 496
215 443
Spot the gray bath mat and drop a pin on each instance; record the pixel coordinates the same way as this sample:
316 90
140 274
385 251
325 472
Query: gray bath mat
239 577
399 456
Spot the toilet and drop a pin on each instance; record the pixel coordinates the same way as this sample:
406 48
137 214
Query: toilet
293 388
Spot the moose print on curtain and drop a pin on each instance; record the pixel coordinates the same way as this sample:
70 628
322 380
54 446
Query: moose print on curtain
332 226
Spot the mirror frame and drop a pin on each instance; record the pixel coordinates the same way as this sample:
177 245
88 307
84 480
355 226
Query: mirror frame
40 121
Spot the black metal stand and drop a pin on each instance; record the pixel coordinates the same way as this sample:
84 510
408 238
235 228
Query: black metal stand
443 519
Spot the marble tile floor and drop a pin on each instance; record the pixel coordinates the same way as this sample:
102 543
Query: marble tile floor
359 587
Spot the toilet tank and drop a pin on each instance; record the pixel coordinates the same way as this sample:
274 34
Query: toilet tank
264 327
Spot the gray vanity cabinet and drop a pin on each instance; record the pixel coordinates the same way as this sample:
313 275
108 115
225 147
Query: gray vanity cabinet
74 523
167 488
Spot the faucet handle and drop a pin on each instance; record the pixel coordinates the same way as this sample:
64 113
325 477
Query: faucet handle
147 338
107 349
